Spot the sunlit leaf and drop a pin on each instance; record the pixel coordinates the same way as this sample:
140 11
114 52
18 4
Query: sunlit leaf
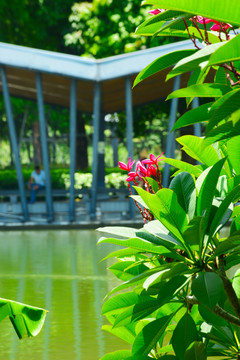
208 288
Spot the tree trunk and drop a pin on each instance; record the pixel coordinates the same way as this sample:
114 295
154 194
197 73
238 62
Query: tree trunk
37 150
81 144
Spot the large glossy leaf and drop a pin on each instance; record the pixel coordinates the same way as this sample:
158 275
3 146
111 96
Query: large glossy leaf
210 317
191 62
162 238
208 189
117 355
228 12
124 232
233 147
184 186
162 63
175 270
135 243
208 288
119 302
136 312
227 53
124 271
196 351
194 232
184 334
149 336
191 169
27 320
228 245
194 147
222 210
206 90
166 209
194 116
223 108
121 253
122 332
222 132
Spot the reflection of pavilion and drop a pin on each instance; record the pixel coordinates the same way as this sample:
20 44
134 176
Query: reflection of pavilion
96 86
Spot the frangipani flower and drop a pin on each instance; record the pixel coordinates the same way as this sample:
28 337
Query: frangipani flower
153 160
127 166
217 25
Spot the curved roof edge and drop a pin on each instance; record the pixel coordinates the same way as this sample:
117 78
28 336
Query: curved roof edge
83 68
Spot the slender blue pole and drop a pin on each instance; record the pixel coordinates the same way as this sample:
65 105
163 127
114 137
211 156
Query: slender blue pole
73 120
44 144
171 136
96 128
129 118
13 138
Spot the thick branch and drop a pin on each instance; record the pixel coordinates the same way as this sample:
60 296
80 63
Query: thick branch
232 297
216 310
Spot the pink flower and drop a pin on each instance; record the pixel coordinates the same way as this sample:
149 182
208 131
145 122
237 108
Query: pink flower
141 170
127 166
132 176
153 160
218 27
151 171
201 20
156 11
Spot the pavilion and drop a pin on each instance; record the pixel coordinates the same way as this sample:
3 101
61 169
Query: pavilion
96 86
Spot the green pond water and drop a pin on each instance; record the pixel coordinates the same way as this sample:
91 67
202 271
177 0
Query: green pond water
61 272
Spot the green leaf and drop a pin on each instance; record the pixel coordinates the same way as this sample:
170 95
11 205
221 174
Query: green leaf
194 147
161 238
149 336
222 210
135 243
191 62
162 63
228 245
184 186
184 334
125 232
166 209
208 189
193 170
136 312
196 351
175 270
27 320
210 317
122 332
208 288
156 228
194 232
222 132
119 302
121 253
233 146
223 108
124 271
227 12
154 23
227 53
194 116
207 90
117 355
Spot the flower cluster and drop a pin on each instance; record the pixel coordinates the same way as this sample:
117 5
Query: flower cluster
143 169
218 26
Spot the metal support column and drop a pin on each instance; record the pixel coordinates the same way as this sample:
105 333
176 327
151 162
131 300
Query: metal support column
44 144
197 127
101 153
96 127
171 136
129 120
13 138
73 121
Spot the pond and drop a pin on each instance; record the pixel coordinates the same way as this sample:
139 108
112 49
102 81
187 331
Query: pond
61 272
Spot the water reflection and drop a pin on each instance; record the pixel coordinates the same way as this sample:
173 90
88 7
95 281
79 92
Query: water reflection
60 271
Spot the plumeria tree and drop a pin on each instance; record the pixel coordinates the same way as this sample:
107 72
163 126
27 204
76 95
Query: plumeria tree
180 271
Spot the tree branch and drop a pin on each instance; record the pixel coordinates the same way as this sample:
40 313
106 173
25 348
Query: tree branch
216 310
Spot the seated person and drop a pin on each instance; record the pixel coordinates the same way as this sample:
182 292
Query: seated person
36 182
